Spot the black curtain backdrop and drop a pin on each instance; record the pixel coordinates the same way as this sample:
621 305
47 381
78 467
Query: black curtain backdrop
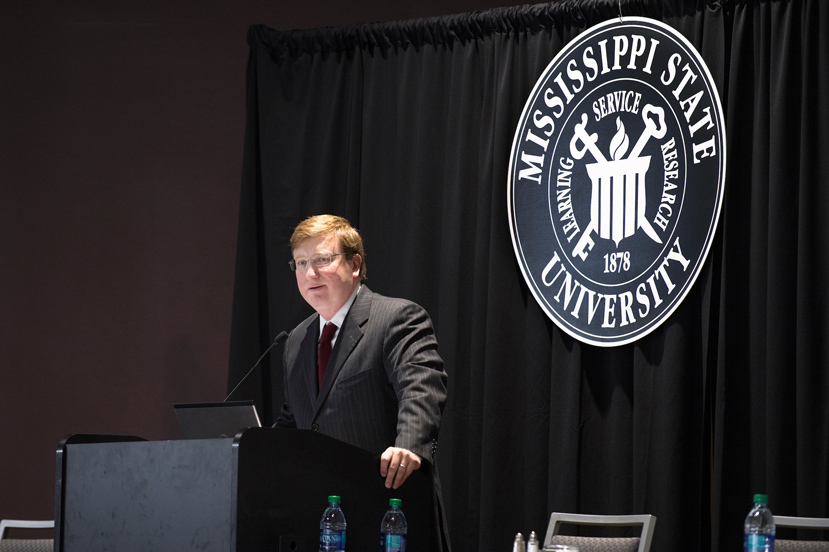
405 129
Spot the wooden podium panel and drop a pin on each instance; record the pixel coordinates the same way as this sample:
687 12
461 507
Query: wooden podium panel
263 491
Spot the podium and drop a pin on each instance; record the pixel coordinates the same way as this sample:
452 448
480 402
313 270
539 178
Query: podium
263 491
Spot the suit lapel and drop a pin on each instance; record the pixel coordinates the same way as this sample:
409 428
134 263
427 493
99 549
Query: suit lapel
309 361
350 335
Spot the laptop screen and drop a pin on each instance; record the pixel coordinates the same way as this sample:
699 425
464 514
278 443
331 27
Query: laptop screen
216 420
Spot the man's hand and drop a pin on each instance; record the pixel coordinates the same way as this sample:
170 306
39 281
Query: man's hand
396 464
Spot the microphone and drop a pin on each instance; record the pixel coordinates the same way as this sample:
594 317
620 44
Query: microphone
279 339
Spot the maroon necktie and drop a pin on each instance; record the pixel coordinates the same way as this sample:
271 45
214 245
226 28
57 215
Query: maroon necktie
325 350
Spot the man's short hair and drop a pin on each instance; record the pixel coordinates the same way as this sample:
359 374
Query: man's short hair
323 225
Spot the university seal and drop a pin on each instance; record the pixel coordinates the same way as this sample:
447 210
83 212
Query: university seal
616 179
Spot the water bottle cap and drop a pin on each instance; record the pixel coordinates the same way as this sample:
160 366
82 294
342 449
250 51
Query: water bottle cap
761 498
333 499
396 502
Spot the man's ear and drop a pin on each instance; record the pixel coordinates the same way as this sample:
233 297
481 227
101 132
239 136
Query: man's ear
357 263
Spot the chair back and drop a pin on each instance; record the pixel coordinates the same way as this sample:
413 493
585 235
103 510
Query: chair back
792 545
642 543
29 544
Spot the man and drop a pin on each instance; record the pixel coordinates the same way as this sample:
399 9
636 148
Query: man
383 387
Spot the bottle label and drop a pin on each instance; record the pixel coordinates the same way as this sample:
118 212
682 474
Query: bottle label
332 541
392 543
757 542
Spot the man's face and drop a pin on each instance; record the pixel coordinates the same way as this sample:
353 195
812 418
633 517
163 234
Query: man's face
326 289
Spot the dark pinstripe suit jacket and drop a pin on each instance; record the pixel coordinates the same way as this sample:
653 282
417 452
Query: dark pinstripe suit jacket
384 386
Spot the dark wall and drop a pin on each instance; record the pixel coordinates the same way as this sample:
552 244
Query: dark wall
121 130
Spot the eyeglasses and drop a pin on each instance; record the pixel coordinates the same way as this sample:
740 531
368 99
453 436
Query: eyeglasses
318 261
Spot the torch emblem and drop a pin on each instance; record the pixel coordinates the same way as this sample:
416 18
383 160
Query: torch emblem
618 199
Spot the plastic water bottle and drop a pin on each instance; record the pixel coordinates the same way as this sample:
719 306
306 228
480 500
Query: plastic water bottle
332 527
759 527
393 528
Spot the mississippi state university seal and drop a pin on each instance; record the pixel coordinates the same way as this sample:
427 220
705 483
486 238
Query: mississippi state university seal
616 180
